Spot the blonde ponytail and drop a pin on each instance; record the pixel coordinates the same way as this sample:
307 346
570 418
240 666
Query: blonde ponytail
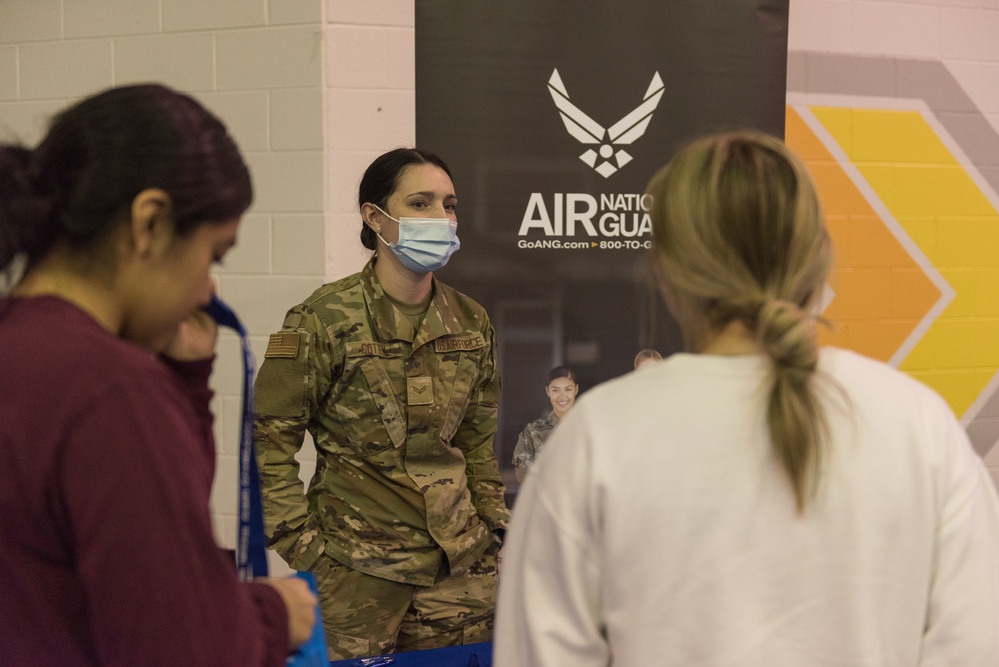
796 421
739 237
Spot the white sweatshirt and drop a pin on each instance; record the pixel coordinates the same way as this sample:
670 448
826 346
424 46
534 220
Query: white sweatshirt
657 529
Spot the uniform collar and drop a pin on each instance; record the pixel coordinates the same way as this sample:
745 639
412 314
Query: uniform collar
390 324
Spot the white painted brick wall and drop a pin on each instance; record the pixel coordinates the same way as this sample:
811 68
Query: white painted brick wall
370 108
286 12
8 73
371 57
246 114
30 20
294 251
85 18
180 58
269 58
914 29
180 15
49 70
296 119
370 12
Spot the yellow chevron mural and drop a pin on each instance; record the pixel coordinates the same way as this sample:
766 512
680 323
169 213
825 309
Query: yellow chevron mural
916 280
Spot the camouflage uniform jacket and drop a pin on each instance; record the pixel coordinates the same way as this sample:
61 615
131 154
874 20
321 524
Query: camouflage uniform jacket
532 440
407 485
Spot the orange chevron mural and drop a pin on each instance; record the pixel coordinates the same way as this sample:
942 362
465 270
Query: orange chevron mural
917 241
880 293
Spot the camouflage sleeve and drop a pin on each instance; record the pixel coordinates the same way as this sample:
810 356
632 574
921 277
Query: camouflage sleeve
289 384
475 437
523 453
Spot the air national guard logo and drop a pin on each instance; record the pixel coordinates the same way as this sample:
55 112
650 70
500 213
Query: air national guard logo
588 131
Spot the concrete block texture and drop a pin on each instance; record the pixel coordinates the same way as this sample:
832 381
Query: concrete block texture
68 69
298 244
288 12
252 252
915 29
8 73
371 12
820 25
344 252
364 119
228 424
344 169
285 57
970 34
182 60
262 301
225 486
25 122
288 181
30 20
296 118
370 57
85 18
181 15
245 114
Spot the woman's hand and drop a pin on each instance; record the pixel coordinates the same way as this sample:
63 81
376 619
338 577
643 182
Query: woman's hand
300 603
195 338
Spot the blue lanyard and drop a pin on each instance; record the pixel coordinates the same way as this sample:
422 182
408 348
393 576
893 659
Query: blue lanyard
251 554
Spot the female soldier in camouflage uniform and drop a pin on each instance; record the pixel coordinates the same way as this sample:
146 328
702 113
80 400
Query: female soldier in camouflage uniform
394 375
561 391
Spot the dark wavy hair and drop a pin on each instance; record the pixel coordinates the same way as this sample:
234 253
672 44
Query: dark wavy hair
78 184
382 177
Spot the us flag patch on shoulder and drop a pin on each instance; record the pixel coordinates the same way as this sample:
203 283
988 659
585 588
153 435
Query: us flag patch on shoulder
282 345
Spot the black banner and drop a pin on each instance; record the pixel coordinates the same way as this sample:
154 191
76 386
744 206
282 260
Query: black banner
553 117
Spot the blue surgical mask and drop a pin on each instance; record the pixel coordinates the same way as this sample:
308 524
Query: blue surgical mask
425 244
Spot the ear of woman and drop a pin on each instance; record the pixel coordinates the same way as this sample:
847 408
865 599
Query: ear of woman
369 215
150 226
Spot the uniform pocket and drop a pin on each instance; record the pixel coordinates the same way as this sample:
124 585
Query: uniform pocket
331 578
368 407
465 376
342 647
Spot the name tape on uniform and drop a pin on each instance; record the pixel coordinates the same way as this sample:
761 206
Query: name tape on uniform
455 344
373 349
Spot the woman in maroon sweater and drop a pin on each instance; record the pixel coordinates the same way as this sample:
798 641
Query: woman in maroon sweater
107 555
